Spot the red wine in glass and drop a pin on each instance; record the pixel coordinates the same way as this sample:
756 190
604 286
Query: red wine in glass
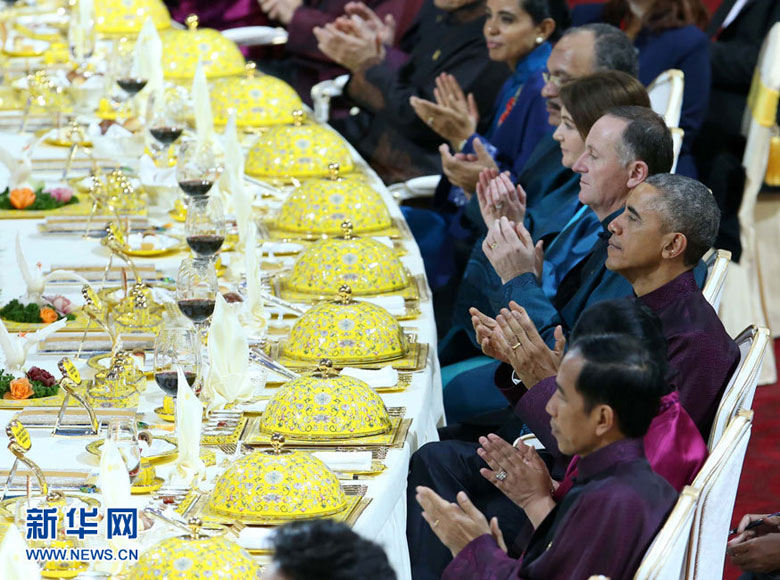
168 381
131 85
166 135
197 309
196 187
205 245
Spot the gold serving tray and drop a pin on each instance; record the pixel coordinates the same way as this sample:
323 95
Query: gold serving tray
393 438
6 506
404 381
277 234
195 504
414 359
82 207
413 292
78 323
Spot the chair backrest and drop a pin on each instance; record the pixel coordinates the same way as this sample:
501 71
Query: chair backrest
717 266
323 92
677 141
753 343
717 484
666 95
665 559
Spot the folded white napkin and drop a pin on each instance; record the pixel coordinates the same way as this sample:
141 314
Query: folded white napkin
387 376
189 419
232 179
204 121
255 538
227 379
114 480
154 176
393 304
345 460
147 55
14 564
115 131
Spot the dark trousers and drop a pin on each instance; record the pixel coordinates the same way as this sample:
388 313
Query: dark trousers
448 467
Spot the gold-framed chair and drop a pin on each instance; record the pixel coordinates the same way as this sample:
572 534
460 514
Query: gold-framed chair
717 484
666 556
677 140
666 95
717 262
753 343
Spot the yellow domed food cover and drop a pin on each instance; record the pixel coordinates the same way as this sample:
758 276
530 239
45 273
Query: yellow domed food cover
259 101
298 151
128 16
320 206
347 332
182 49
326 406
365 264
277 486
193 557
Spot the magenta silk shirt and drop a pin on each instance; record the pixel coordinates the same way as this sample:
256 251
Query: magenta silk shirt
673 447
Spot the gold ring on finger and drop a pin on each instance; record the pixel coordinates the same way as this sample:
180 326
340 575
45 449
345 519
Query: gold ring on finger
493 245
515 346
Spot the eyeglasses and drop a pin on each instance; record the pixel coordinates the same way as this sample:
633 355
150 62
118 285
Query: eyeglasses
554 80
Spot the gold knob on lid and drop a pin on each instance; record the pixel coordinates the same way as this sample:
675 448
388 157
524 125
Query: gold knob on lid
325 367
195 524
345 294
333 169
346 229
251 69
298 117
192 22
277 441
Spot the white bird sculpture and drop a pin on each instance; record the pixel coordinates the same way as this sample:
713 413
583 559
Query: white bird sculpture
16 347
34 278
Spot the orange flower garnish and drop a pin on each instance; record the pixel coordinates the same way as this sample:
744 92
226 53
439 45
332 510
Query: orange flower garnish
20 389
48 314
21 197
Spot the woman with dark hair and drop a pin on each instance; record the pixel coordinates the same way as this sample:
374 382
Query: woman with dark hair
668 35
517 33
584 101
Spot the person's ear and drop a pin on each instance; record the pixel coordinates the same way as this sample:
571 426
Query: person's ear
544 29
605 419
675 245
637 173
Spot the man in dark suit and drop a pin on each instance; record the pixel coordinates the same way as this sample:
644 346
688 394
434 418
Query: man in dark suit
737 31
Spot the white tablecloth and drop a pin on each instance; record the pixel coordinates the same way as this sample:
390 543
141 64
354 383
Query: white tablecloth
384 520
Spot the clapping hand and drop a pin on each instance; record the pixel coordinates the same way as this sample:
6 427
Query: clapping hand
520 474
488 333
384 29
498 197
280 10
531 359
349 42
456 524
511 250
453 116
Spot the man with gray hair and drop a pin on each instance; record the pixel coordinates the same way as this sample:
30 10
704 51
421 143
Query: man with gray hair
668 223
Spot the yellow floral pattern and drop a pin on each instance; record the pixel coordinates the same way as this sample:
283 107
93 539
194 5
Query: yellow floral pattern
346 333
324 408
320 206
297 151
289 485
128 16
258 101
187 559
182 48
366 265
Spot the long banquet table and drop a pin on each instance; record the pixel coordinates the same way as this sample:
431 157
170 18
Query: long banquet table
384 519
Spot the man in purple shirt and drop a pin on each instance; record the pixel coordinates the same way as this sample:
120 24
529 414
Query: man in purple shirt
669 223
607 392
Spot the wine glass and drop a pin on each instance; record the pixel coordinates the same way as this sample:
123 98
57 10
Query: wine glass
123 433
128 76
176 347
165 120
198 166
196 291
81 39
205 226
